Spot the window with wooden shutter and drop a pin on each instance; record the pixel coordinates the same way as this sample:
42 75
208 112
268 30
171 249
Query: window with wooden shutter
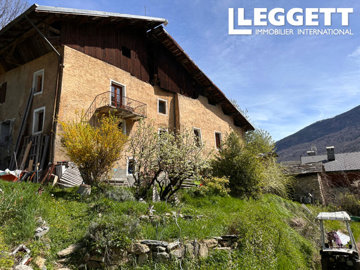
38 81
3 92
218 140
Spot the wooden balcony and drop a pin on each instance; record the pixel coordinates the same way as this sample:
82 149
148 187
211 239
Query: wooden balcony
122 107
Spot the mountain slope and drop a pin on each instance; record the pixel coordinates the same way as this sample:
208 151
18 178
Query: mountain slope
342 131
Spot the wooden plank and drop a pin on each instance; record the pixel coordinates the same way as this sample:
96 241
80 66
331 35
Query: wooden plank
44 152
26 154
30 166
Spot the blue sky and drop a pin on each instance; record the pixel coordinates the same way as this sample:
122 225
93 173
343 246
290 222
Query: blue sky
285 82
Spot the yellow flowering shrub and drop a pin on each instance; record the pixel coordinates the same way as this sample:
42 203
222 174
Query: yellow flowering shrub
94 149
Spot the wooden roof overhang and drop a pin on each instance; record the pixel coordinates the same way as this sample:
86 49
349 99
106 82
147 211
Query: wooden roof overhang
209 89
20 43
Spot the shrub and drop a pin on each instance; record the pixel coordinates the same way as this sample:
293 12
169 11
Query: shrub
111 235
211 186
94 149
120 194
240 165
251 165
350 203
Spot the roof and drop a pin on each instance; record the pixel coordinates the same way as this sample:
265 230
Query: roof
342 215
342 162
38 13
300 169
212 90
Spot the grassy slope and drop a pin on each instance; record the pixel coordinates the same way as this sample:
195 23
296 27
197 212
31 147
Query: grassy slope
267 241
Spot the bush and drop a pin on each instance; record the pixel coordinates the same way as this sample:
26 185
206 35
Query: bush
350 203
212 186
120 194
94 149
240 166
251 165
111 235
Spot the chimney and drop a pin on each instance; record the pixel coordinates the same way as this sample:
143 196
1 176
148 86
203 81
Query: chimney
310 153
330 153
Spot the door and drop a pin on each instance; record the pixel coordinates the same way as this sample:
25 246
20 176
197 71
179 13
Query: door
116 95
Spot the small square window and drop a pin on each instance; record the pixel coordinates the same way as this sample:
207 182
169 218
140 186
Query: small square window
197 134
38 81
126 51
218 140
130 166
38 120
162 106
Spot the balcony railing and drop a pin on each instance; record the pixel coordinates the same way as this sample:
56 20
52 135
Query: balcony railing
123 107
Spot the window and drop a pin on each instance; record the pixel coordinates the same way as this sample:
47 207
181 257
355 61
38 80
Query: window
122 126
218 140
3 92
162 106
130 166
126 51
38 81
38 120
197 134
118 93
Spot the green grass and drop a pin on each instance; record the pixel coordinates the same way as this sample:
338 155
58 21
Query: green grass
267 241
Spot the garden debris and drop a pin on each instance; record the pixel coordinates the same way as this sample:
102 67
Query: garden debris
26 257
41 231
10 176
23 267
69 175
40 262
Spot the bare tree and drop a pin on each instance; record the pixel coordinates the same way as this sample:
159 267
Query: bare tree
10 9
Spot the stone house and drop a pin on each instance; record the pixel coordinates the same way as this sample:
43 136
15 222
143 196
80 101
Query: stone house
57 62
323 178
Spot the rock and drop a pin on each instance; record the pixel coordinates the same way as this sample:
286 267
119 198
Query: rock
178 253
138 248
230 237
69 250
210 243
189 250
151 243
173 245
162 256
203 250
160 249
41 231
23 267
40 262
223 248
142 259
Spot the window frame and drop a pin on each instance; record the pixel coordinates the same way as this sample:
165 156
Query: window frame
200 135
127 166
123 86
43 120
220 135
158 107
35 74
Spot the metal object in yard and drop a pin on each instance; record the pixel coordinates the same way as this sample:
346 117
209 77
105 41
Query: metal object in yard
334 253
